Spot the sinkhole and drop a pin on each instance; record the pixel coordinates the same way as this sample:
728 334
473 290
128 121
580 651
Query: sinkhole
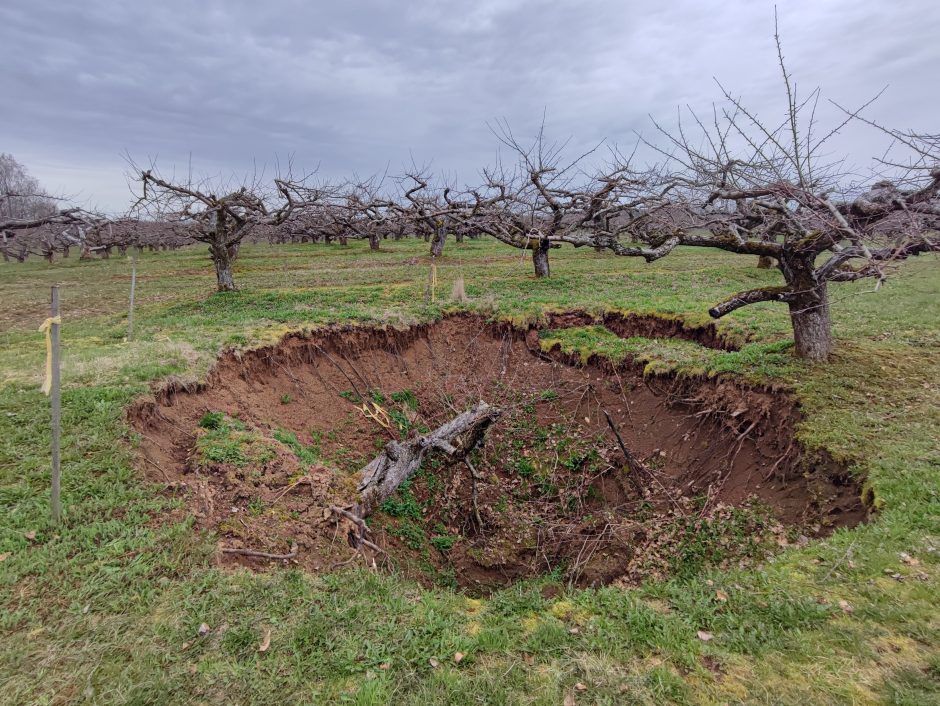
705 473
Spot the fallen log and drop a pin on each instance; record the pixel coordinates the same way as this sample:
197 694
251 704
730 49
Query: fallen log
400 459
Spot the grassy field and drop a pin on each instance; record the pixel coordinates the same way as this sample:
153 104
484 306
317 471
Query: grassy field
106 608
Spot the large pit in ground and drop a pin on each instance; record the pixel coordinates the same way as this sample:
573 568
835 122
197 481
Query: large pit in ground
278 434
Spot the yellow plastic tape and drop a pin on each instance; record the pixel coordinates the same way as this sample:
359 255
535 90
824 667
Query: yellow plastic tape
47 327
433 281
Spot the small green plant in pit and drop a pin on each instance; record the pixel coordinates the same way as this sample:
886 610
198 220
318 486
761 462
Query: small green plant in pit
402 503
523 466
256 506
351 396
401 421
286 398
405 398
212 420
228 441
410 532
307 455
444 543
730 534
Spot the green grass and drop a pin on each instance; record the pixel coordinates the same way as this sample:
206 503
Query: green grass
106 608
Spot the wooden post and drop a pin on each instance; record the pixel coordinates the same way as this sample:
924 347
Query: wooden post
56 393
130 311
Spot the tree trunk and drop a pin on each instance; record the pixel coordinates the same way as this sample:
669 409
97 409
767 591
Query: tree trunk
812 328
437 244
458 236
540 258
374 241
764 262
809 307
223 257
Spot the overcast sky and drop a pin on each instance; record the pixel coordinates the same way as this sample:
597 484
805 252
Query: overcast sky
364 85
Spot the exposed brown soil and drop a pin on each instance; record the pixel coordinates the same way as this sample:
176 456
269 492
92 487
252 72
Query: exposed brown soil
726 482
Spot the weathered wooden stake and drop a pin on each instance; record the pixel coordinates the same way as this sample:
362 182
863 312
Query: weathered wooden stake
56 393
130 311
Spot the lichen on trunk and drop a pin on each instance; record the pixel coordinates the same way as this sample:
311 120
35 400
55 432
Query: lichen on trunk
540 257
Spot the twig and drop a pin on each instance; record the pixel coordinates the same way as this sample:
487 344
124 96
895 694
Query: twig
262 555
166 477
473 487
636 466
304 479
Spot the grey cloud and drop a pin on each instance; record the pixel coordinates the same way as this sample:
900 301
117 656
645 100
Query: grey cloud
356 86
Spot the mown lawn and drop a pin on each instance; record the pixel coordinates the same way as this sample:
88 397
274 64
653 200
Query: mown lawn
106 608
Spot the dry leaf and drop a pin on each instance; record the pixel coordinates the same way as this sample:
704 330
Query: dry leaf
184 647
574 631
458 657
4 556
580 687
384 666
569 700
266 642
86 609
704 636
909 560
846 606
721 596
204 629
434 663
31 535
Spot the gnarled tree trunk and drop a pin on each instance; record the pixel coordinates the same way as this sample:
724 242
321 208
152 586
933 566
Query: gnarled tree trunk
809 307
812 327
223 257
437 243
540 257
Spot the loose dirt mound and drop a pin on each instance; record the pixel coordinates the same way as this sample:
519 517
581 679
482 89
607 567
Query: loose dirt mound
278 434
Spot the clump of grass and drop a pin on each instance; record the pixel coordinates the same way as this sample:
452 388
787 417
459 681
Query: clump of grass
212 420
307 455
227 441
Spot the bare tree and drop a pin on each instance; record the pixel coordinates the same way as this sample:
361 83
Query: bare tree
223 221
428 209
745 186
546 201
22 199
